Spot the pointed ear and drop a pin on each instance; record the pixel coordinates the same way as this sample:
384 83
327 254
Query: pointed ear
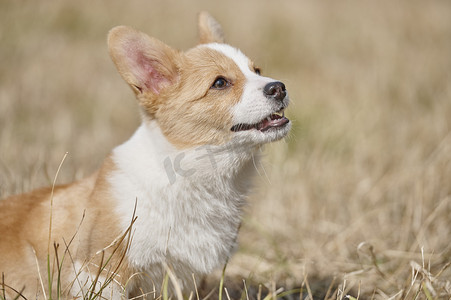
210 31
145 63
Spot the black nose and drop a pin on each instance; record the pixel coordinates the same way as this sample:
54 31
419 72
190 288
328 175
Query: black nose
275 90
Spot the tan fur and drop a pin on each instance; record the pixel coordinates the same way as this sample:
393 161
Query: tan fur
152 53
173 88
206 115
203 111
78 226
209 30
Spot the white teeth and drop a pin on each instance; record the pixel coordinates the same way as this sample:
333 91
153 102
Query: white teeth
280 113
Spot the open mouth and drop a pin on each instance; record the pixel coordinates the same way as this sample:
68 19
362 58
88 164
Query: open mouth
275 120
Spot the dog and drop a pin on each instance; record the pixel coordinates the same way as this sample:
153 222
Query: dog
168 202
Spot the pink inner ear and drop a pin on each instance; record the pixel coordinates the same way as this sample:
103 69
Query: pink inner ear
148 73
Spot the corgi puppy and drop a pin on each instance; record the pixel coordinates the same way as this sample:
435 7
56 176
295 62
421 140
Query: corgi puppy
166 204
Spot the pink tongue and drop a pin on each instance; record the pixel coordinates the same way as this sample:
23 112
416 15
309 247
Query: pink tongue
265 124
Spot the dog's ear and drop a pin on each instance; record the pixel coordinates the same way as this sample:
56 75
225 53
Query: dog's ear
146 64
210 31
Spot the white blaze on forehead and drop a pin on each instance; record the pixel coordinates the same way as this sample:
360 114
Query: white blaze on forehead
253 105
236 55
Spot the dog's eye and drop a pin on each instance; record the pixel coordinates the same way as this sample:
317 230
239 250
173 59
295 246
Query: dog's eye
220 83
257 70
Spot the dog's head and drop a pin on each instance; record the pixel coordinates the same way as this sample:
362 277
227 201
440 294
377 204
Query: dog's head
210 94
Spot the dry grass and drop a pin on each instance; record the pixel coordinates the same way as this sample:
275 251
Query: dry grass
360 191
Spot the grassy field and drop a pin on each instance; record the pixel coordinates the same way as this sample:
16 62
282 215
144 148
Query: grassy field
355 202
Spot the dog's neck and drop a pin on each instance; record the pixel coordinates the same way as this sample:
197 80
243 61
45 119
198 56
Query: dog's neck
148 154
189 199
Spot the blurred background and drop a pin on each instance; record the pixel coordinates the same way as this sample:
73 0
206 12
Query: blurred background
356 201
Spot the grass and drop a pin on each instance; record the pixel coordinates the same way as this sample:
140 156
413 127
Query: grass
355 204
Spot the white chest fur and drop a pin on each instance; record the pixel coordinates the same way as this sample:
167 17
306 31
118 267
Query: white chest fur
189 203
